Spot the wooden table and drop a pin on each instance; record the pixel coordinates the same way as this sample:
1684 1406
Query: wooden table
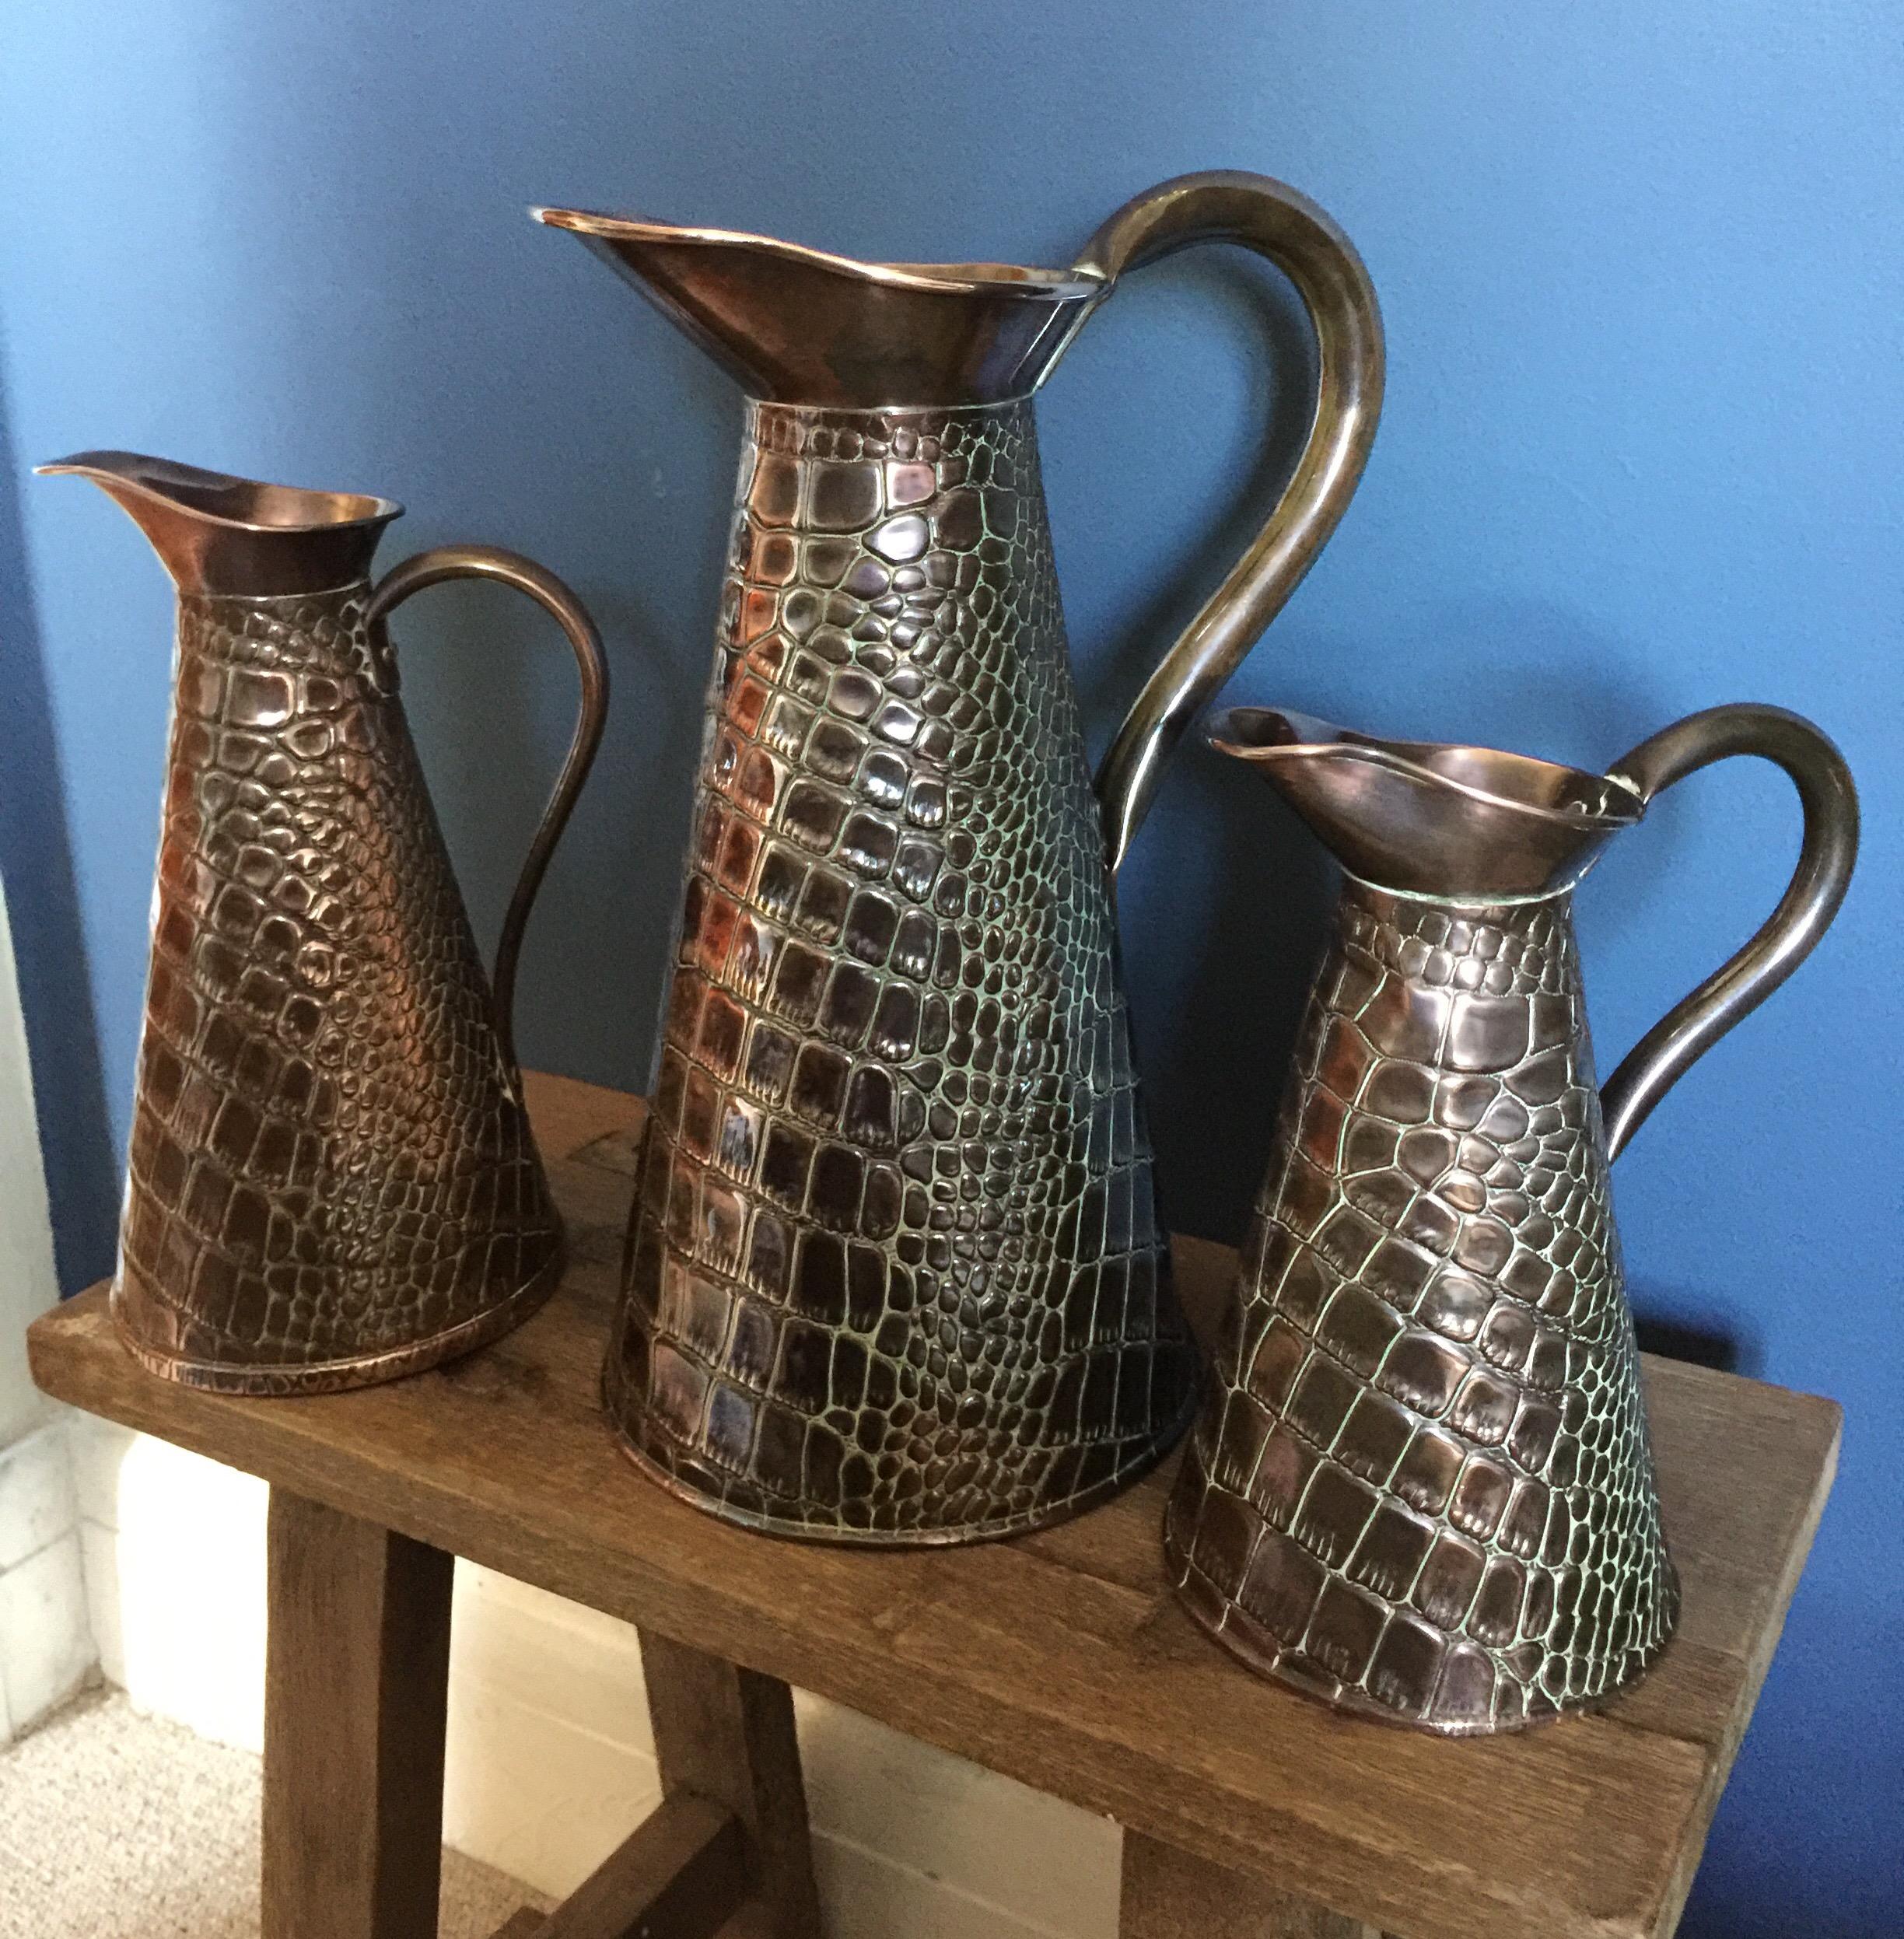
1059 1658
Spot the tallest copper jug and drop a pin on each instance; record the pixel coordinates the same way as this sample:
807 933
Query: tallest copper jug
894 1271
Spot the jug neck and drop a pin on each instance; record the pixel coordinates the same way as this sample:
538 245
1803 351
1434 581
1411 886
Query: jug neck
306 667
849 516
1417 912
795 325
226 536
947 437
1455 983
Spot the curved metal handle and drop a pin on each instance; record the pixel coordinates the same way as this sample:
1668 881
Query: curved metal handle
1265 215
491 562
1825 857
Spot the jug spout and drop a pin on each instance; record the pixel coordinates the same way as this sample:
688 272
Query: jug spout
799 326
217 534
1433 818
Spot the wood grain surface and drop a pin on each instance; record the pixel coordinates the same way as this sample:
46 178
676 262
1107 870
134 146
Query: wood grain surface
1060 1658
1169 1895
727 1734
681 1874
356 1683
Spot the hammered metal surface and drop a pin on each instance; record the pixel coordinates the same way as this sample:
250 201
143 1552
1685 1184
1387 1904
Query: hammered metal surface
894 1271
331 1175
1421 1485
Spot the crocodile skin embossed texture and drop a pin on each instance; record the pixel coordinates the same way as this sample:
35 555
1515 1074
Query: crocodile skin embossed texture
331 1176
893 1271
1421 1485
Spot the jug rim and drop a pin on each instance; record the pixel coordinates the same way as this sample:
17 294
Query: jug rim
1447 819
951 279
255 505
1315 737
220 535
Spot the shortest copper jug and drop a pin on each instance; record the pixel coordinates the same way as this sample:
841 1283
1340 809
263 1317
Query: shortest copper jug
331 1179
1421 1486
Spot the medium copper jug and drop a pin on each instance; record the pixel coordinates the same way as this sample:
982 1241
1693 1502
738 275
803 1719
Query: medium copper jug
894 1272
331 1179
1420 1485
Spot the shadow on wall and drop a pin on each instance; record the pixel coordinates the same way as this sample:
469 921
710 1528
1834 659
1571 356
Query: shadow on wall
1226 863
1217 1058
489 685
49 944
1211 1097
1660 1319
1217 1054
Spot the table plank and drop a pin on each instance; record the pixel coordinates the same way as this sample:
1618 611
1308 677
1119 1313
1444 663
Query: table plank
1167 1894
1060 1658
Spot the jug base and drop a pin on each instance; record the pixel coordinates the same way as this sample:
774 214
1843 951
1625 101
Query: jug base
839 1535
1229 1628
289 1380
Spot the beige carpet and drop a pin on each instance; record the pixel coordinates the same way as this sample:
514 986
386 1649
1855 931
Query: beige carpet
114 1825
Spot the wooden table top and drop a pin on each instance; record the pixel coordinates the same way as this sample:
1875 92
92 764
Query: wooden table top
1060 1658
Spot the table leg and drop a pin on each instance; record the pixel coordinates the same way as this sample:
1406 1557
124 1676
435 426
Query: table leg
1169 1895
727 1734
356 1674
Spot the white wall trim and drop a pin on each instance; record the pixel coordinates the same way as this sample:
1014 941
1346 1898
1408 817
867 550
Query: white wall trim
550 1761
27 1285
46 1645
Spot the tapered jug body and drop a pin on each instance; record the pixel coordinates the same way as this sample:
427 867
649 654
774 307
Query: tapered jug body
1421 1485
895 1271
331 1179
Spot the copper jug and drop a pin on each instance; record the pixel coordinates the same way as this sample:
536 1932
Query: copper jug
1420 1485
331 1179
894 1273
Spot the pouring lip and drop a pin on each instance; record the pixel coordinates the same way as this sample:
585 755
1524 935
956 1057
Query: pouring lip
256 505
1312 739
950 279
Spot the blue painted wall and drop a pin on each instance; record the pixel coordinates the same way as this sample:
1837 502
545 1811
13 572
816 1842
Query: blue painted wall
1641 281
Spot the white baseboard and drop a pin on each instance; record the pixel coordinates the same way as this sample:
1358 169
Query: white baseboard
550 1762
45 1641
46 1648
27 1283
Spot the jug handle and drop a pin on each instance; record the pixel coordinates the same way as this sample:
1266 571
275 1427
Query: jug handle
1826 854
1276 222
491 562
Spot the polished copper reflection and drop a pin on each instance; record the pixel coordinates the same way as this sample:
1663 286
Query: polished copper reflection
798 325
894 1273
1420 1485
331 1179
